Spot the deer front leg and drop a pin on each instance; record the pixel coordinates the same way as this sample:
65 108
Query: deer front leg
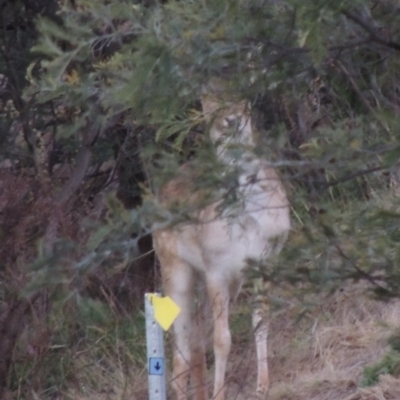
179 285
198 367
219 299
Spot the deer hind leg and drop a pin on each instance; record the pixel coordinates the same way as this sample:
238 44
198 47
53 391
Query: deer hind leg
218 292
260 326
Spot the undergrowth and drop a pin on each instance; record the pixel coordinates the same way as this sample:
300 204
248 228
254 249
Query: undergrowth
84 345
388 365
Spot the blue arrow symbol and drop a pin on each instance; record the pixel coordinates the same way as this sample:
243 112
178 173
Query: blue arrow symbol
156 366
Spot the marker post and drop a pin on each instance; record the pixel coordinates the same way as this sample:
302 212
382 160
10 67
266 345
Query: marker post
155 351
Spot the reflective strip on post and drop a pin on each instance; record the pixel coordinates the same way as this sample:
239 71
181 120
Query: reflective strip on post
155 352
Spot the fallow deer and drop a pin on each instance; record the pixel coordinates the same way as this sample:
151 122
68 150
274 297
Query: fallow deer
217 248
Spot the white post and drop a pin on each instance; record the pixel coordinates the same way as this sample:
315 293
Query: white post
155 352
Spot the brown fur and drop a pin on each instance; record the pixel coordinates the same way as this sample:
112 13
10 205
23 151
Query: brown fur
215 247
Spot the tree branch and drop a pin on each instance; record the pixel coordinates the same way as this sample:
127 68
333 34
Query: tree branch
349 177
374 34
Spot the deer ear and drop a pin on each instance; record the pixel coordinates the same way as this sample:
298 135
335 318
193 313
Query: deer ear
213 95
210 105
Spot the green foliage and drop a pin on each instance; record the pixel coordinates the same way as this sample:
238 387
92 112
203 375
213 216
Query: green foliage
120 81
389 364
323 74
82 336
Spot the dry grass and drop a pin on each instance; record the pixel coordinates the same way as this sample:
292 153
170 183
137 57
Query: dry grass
108 378
321 357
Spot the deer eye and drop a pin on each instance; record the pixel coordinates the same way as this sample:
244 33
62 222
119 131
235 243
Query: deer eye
232 121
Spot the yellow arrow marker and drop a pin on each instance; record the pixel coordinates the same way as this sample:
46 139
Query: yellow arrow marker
165 310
